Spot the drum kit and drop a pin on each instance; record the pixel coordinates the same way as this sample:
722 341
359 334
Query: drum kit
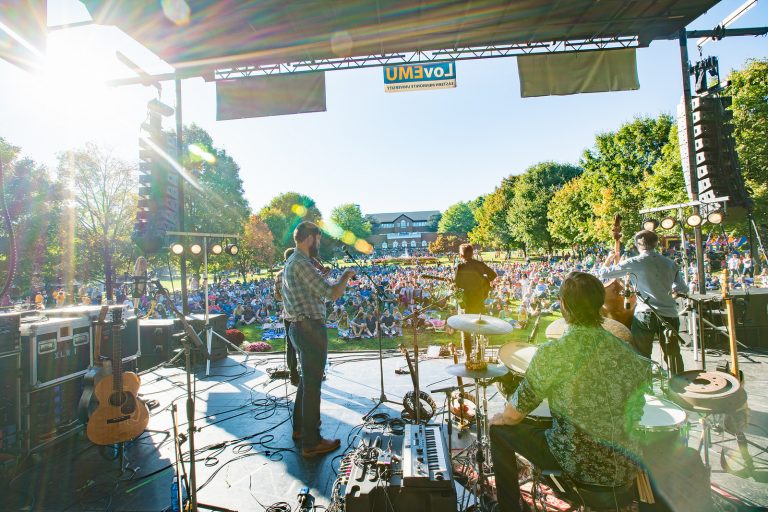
664 422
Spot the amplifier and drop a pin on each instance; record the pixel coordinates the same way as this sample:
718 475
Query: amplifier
10 401
51 414
375 479
156 341
130 341
54 350
10 334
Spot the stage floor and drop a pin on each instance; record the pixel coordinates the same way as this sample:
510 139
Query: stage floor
246 456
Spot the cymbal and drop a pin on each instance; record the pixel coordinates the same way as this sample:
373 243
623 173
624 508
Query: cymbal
517 355
557 328
479 324
460 370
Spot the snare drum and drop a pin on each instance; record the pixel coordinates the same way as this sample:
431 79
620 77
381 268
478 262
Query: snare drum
662 423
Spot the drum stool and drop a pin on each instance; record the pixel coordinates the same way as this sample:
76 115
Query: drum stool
594 498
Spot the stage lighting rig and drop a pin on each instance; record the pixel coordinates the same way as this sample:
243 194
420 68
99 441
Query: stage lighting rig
650 224
668 222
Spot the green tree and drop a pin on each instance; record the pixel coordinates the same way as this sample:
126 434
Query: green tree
569 213
616 167
34 204
666 184
349 218
749 90
457 219
527 215
102 189
214 197
284 212
492 229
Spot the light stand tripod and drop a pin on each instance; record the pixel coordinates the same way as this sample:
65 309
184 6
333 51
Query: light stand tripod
380 298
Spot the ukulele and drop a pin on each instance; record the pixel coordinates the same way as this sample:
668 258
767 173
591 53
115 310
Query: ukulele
427 406
96 372
462 404
120 415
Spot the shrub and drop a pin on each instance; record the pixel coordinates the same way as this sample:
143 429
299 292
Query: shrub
235 336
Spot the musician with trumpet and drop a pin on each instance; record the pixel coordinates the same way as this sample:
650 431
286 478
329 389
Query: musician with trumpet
655 277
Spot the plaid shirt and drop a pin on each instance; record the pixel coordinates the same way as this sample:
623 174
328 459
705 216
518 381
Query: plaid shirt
304 289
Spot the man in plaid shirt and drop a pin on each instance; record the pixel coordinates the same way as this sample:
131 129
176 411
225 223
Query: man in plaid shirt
304 292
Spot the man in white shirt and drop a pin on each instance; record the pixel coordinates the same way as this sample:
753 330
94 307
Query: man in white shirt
655 277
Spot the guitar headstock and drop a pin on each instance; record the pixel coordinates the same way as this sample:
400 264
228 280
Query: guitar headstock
616 229
117 316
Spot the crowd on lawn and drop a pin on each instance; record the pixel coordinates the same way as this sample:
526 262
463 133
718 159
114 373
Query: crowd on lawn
522 290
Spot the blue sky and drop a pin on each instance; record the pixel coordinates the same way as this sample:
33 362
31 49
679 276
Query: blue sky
385 152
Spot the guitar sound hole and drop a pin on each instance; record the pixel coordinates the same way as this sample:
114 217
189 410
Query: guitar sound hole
117 399
125 401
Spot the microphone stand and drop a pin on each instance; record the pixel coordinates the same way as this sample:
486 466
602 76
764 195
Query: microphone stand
380 297
674 334
189 338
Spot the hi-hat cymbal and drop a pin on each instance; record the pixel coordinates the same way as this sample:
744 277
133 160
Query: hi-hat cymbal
556 329
460 370
517 355
479 324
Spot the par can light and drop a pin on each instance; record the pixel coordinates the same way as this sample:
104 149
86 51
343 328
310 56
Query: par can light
650 224
716 217
195 248
216 248
668 222
177 248
694 220
232 249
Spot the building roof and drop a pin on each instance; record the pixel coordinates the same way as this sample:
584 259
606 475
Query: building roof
222 33
391 217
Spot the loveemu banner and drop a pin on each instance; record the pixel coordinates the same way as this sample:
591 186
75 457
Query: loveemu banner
417 77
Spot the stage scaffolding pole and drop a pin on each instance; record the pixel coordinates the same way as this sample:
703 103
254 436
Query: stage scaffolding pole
179 157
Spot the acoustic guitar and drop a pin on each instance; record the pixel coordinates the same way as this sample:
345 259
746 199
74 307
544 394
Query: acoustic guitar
613 306
96 372
120 415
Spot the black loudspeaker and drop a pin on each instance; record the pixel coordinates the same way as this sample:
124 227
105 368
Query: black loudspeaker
10 401
750 309
51 414
156 342
10 335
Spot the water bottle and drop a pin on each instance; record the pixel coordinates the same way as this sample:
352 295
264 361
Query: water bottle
175 495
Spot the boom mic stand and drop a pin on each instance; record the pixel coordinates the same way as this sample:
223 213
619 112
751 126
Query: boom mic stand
380 298
190 338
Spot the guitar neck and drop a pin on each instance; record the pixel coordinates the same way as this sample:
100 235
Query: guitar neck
117 351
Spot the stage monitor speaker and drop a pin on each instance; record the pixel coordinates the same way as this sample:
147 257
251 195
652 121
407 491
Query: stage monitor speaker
10 335
51 414
219 326
751 311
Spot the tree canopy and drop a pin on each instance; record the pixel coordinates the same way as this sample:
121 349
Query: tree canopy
457 219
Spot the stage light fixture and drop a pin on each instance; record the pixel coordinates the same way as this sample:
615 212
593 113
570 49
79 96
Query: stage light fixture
232 249
694 220
716 217
668 222
216 248
195 248
177 248
650 224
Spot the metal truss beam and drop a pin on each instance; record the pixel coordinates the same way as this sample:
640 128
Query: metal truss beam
392 59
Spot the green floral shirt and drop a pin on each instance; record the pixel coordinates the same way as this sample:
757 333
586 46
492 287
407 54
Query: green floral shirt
594 384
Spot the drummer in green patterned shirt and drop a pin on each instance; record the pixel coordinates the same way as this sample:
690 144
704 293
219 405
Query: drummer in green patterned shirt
594 384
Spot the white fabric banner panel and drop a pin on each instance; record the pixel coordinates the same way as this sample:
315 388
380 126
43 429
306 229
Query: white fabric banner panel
270 95
560 74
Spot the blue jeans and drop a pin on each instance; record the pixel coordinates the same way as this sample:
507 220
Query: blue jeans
311 341
645 327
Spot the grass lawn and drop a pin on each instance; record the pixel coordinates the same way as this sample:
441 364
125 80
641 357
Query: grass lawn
253 333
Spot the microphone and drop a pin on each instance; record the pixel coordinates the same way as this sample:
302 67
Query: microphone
139 280
627 292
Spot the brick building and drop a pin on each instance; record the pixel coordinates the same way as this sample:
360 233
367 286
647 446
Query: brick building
393 232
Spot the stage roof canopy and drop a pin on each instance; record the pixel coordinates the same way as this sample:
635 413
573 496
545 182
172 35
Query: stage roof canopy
213 34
